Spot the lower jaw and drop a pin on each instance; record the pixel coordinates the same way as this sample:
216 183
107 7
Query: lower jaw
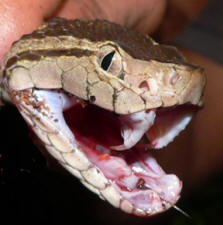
133 173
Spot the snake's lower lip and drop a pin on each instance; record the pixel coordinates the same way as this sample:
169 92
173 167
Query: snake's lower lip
80 137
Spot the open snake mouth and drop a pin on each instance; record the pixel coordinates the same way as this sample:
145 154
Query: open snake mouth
127 175
120 70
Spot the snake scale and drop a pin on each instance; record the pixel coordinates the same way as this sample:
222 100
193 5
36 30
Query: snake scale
99 95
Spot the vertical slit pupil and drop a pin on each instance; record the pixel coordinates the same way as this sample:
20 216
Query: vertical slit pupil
106 62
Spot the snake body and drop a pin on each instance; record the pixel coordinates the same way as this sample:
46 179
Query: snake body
66 63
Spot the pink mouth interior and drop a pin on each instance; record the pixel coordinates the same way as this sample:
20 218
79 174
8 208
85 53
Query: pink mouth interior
128 166
95 124
134 172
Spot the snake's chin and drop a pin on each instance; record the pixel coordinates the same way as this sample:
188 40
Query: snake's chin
118 147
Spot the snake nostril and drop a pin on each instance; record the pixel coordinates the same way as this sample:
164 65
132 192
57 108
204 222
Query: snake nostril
144 85
92 98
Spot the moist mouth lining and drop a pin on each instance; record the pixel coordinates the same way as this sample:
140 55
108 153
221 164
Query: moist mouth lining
134 173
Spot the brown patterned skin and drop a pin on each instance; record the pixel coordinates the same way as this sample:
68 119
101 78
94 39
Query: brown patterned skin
138 45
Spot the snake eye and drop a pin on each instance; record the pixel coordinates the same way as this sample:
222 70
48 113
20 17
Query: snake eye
106 62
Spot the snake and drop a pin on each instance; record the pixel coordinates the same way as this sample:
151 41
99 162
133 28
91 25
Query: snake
99 96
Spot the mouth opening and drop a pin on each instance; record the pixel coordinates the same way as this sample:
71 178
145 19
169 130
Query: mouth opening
131 169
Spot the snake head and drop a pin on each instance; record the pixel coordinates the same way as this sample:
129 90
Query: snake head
98 96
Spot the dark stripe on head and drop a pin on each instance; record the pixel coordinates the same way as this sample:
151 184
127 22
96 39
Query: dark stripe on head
134 43
35 55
